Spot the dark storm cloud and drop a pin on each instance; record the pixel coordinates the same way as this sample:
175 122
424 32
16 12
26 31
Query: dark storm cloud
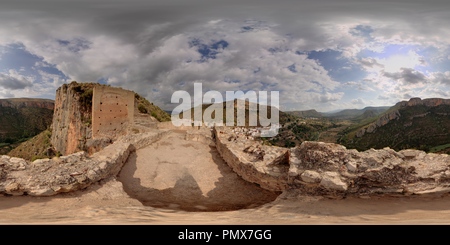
407 76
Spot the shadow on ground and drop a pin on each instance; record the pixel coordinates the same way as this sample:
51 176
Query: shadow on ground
230 191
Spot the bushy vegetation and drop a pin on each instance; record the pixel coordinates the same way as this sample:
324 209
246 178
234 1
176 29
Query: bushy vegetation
37 147
295 130
20 124
144 106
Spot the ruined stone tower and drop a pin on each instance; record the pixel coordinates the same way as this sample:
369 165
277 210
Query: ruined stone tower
87 115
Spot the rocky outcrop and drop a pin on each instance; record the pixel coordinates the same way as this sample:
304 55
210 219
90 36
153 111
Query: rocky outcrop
71 125
395 114
381 121
431 102
264 165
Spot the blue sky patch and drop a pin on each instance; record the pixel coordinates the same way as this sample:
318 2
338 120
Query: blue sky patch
209 51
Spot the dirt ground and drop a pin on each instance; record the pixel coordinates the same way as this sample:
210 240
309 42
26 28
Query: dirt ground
175 181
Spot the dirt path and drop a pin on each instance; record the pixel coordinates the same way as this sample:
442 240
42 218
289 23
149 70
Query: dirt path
187 175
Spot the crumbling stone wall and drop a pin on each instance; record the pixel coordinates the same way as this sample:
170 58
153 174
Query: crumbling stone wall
264 165
47 177
327 169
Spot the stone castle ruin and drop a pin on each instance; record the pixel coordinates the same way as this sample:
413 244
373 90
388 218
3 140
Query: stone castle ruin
89 116
97 114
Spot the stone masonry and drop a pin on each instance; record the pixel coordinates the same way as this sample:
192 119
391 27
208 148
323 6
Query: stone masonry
112 112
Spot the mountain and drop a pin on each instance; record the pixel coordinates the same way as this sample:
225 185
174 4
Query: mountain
357 114
307 113
23 118
419 124
247 106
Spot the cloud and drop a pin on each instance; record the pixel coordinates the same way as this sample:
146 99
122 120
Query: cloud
407 76
370 63
441 77
6 94
358 101
157 47
407 96
14 81
382 97
328 97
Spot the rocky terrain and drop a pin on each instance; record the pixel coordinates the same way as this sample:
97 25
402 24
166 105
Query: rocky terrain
163 183
158 167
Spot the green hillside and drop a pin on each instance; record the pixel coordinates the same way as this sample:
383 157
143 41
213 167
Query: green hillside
306 114
419 126
206 108
145 106
21 119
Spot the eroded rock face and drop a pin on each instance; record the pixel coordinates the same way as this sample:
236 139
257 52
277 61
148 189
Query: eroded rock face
71 119
386 118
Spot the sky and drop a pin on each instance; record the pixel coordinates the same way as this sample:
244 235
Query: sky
323 54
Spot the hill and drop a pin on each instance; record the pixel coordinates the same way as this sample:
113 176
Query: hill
417 124
23 118
305 114
207 109
357 114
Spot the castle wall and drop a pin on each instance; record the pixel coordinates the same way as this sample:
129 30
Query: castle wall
112 111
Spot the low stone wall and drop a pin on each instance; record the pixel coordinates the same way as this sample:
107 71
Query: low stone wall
324 168
47 177
264 165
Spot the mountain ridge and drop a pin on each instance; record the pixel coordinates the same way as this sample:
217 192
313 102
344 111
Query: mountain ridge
416 123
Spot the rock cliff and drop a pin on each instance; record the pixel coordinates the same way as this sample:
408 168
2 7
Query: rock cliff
395 112
71 125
